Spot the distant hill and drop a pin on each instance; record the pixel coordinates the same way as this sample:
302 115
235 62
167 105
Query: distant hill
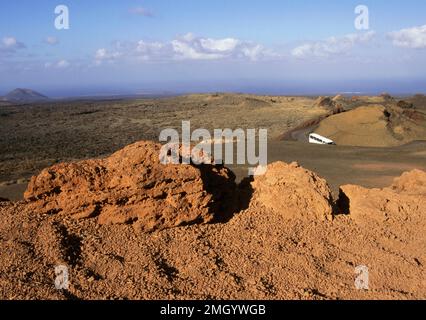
24 96
4 102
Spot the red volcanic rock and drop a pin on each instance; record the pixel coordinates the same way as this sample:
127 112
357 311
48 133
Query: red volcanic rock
293 192
411 183
132 187
402 202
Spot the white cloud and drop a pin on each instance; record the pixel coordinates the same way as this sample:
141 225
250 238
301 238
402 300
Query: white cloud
332 45
10 43
187 50
414 38
51 40
61 64
220 45
151 50
186 47
9 47
103 55
190 47
141 12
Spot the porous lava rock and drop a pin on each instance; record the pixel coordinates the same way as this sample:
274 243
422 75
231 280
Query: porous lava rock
133 187
403 201
293 192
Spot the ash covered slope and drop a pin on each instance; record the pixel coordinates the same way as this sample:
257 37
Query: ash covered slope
375 126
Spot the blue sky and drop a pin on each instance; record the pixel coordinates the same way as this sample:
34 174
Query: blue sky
277 46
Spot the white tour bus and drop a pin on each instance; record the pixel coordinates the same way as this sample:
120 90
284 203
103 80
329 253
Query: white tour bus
317 139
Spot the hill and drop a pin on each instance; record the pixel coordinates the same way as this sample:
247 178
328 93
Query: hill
24 96
375 126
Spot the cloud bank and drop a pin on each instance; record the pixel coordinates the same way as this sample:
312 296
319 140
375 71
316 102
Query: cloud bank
187 47
332 46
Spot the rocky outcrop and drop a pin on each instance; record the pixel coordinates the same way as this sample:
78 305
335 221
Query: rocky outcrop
293 192
386 96
333 104
324 102
398 204
132 187
405 105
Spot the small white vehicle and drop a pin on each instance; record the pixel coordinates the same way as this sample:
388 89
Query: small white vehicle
317 139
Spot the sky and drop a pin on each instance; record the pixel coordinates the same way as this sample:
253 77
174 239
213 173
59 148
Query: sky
269 46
